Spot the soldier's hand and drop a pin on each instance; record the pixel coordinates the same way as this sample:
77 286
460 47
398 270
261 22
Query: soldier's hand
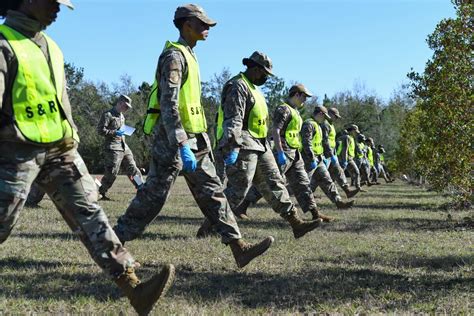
313 165
281 158
119 133
188 158
231 158
334 160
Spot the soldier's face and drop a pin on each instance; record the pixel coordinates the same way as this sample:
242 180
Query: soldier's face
198 29
43 11
301 99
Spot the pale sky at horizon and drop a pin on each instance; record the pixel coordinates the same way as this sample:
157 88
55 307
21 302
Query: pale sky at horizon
326 45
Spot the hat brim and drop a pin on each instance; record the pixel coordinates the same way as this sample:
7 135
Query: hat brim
67 3
207 20
326 115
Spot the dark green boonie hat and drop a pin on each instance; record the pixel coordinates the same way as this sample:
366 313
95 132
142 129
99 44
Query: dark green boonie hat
261 59
193 10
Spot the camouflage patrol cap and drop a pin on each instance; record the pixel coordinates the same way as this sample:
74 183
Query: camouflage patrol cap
193 10
369 140
262 60
126 99
67 3
321 109
334 112
299 88
353 127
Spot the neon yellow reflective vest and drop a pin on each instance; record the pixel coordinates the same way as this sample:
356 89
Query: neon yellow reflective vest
382 158
370 156
351 148
332 136
317 143
36 93
190 109
360 153
292 133
258 116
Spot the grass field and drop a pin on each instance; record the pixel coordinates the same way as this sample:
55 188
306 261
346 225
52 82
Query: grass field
397 251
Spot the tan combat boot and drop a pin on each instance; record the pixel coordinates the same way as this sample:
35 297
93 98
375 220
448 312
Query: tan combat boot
350 193
244 252
344 205
143 296
316 215
300 227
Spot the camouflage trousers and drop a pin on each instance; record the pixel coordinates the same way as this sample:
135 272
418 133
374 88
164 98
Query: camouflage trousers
337 175
383 172
203 183
260 169
364 170
320 177
62 174
297 182
35 196
374 173
354 172
113 160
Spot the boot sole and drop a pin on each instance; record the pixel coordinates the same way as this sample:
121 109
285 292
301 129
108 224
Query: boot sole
167 275
266 243
310 228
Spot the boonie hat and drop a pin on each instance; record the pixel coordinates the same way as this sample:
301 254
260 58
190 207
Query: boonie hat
260 59
193 10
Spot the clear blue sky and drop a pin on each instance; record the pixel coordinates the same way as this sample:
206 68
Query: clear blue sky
327 45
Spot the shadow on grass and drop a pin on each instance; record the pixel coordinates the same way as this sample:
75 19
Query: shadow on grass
305 290
61 236
402 261
302 291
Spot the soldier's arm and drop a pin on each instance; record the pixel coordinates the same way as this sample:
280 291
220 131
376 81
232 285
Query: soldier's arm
170 74
280 116
233 105
307 133
102 127
327 148
345 147
4 63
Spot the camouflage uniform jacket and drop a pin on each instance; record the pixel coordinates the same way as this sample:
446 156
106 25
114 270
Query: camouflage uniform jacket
326 128
281 119
307 135
8 71
171 74
344 140
237 102
110 122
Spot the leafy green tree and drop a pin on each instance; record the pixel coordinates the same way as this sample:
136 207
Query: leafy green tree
446 92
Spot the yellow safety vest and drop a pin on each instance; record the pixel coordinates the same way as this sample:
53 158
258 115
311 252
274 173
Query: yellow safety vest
351 149
317 143
36 92
190 109
332 136
370 156
360 154
258 116
292 133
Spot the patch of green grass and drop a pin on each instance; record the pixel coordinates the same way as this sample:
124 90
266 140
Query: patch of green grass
396 251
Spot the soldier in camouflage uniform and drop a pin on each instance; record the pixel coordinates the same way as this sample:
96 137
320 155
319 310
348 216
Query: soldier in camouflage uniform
181 143
241 132
32 94
116 151
316 163
329 146
346 153
287 124
371 157
361 160
382 168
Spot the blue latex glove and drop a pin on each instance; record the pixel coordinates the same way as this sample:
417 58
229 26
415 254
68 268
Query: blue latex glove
327 162
334 160
231 158
344 164
119 133
281 158
313 165
188 158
